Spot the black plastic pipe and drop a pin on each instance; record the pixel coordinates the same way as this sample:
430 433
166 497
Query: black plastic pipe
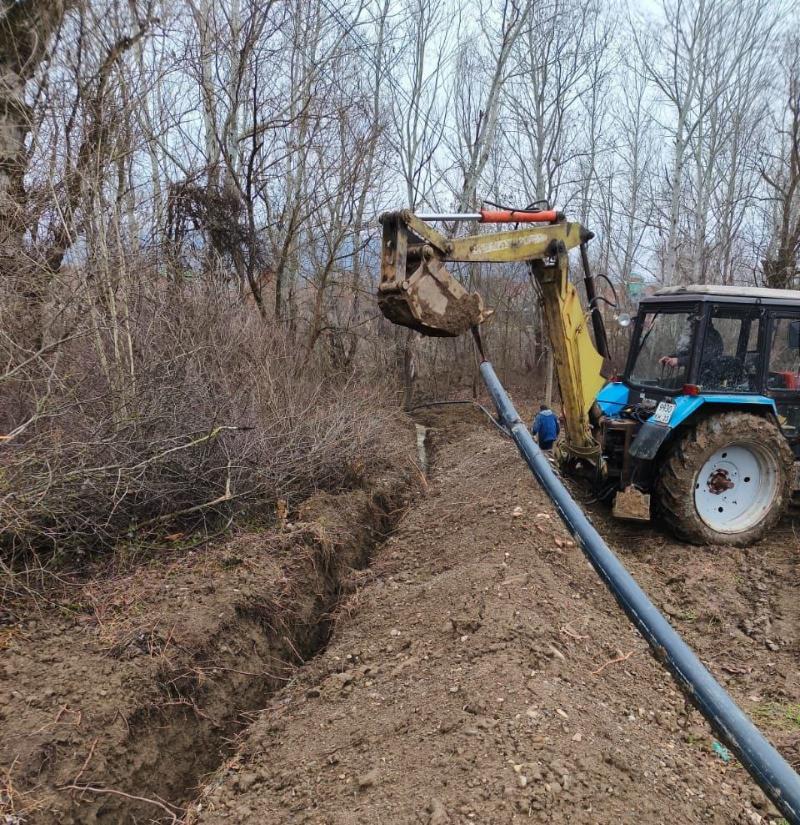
769 769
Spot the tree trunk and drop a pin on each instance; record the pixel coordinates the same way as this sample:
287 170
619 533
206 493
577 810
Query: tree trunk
25 31
409 369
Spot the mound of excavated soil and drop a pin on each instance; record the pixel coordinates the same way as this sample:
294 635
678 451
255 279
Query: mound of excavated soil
481 673
119 695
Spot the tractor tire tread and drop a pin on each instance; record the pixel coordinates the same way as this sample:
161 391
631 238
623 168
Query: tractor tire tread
674 489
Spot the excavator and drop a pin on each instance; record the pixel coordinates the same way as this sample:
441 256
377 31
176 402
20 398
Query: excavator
701 429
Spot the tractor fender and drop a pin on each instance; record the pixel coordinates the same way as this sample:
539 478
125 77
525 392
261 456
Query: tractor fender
653 434
649 439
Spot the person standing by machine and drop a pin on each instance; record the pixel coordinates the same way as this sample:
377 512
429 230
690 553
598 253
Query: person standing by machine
545 427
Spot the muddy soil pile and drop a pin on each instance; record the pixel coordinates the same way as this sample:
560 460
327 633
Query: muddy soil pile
119 695
482 673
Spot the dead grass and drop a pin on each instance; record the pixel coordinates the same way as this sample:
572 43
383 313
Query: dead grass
16 805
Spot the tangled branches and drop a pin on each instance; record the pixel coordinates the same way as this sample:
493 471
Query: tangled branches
187 413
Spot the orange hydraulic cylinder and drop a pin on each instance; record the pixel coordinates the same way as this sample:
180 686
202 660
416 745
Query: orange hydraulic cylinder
514 216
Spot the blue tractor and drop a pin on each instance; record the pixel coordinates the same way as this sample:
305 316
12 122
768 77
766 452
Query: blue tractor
706 416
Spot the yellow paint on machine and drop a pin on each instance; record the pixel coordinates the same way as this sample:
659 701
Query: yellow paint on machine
587 362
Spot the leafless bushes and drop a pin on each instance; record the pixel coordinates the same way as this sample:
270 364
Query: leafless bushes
183 411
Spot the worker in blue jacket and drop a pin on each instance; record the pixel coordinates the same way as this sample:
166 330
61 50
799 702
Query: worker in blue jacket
545 427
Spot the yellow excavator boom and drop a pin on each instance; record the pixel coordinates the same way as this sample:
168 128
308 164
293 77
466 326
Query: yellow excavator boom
417 291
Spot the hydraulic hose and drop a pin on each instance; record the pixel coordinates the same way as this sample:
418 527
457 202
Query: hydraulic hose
762 761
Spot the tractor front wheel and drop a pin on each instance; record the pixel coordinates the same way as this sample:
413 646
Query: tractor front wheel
727 480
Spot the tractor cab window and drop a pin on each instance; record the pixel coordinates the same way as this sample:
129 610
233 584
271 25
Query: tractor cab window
784 356
663 350
730 357
783 376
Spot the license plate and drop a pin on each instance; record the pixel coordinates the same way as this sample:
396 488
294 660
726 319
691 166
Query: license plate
663 412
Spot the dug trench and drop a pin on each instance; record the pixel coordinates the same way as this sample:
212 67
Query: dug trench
121 695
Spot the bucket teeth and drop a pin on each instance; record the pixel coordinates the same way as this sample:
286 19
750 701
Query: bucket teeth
432 302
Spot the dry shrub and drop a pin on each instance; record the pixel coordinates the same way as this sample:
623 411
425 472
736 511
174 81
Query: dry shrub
165 407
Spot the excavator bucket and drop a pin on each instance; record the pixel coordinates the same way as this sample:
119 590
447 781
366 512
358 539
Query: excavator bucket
431 301
417 291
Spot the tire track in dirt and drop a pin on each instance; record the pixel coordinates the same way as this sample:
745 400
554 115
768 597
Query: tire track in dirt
486 675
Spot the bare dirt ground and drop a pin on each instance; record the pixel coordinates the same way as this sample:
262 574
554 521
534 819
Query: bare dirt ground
482 674
477 672
120 691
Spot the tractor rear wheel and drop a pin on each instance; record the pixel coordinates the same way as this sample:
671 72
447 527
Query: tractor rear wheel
727 480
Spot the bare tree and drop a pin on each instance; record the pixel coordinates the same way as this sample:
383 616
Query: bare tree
26 31
553 101
418 113
781 172
692 61
625 192
478 102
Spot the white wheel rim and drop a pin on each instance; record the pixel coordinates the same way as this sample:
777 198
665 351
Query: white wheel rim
736 487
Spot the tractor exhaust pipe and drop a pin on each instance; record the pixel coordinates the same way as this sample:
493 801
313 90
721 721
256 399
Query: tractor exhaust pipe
767 767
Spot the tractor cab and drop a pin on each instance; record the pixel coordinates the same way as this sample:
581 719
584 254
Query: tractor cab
721 362
725 345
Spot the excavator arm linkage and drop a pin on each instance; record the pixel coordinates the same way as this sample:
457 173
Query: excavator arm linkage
417 291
